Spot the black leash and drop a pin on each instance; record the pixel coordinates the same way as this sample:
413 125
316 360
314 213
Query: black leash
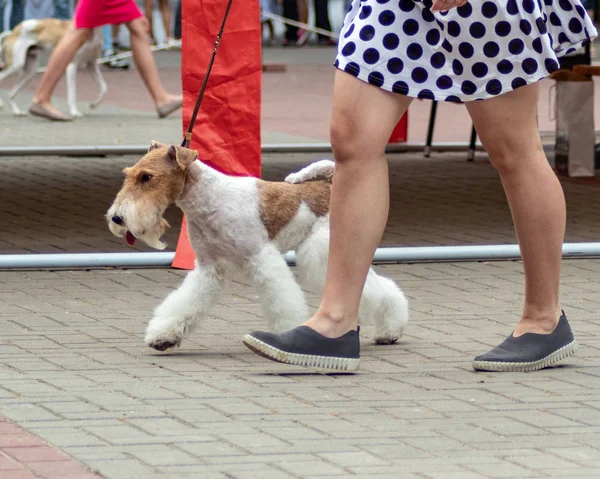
188 134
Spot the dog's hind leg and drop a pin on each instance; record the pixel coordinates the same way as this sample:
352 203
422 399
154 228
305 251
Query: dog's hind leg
71 76
382 301
311 258
181 311
28 72
99 79
281 297
4 74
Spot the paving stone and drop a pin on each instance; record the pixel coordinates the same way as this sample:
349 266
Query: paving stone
8 463
121 468
503 470
354 459
576 453
67 436
310 467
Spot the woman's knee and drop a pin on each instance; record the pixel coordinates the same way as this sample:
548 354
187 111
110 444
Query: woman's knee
508 154
342 138
80 35
351 139
139 27
363 118
507 127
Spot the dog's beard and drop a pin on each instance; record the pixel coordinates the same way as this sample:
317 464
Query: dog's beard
150 230
152 236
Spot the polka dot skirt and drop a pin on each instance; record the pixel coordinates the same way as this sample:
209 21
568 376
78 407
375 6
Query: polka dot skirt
477 51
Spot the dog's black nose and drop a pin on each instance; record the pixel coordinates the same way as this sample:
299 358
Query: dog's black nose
117 219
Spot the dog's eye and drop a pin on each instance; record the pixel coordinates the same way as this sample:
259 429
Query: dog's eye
145 177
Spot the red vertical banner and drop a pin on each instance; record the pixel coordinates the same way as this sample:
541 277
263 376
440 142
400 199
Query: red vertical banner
400 133
227 130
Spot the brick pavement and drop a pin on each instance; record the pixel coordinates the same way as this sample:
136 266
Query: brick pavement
57 204
25 456
74 370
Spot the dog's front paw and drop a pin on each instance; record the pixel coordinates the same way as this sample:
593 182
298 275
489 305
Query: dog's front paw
386 339
76 114
387 335
164 344
160 338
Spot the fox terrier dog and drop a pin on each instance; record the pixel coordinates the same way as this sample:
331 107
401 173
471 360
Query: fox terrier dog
239 227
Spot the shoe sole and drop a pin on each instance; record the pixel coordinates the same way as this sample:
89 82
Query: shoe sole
556 356
329 363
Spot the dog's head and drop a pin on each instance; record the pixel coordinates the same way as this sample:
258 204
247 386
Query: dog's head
150 186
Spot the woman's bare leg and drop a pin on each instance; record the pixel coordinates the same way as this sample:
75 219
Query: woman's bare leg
165 11
363 118
149 14
62 55
144 60
508 130
303 11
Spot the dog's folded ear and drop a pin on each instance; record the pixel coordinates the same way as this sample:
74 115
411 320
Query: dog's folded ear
182 156
155 144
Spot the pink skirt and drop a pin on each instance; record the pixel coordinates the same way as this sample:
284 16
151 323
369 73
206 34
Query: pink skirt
96 13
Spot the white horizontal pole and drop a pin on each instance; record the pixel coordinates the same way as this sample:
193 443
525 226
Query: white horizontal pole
108 150
85 260
416 254
382 255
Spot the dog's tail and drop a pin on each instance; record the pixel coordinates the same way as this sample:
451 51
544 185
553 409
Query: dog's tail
319 168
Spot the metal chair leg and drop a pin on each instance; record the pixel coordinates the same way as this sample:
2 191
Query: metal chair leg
432 116
472 143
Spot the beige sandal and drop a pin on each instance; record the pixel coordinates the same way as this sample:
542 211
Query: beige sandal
166 109
35 109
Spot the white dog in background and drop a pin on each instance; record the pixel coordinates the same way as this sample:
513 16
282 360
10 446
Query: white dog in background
20 51
239 227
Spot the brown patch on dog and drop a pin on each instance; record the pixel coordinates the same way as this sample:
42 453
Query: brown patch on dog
159 177
279 202
48 32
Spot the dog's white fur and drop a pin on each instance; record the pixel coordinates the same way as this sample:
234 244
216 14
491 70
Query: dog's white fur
230 240
28 39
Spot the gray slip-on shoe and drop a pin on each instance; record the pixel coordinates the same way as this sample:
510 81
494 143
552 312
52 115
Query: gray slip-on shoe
303 346
530 351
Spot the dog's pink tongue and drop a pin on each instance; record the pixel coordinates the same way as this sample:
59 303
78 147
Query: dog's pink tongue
130 239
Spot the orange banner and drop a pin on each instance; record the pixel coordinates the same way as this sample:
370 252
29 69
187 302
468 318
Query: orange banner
227 130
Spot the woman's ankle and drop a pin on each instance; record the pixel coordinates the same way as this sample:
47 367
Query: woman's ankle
538 320
44 103
332 325
164 98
